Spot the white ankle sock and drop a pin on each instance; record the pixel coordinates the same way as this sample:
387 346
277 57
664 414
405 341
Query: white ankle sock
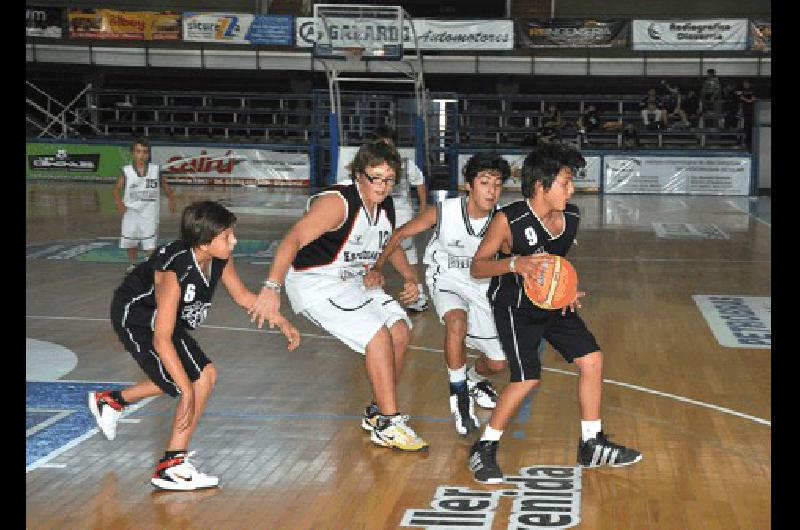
490 434
589 429
459 374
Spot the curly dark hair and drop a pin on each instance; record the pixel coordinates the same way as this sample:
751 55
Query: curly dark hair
490 161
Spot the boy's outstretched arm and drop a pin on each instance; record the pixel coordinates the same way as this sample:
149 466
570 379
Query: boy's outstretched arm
245 299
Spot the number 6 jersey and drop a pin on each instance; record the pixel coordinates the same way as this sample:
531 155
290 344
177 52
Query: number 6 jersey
135 300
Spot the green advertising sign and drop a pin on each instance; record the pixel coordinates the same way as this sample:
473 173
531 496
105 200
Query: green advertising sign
78 161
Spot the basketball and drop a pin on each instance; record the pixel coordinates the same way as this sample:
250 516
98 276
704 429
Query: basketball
555 286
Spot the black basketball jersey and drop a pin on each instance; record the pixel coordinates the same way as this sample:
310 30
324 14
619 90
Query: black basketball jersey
338 244
135 299
529 236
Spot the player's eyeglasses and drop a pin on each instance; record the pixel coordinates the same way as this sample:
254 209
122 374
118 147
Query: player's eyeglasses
374 180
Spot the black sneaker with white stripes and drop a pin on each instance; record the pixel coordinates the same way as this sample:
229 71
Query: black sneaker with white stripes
600 451
483 462
463 410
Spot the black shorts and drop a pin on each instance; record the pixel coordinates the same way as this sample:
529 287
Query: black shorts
521 330
139 343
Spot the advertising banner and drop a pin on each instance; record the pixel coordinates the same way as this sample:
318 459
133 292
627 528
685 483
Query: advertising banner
209 165
75 161
761 36
696 35
124 25
738 321
587 179
43 21
575 33
431 34
238 28
673 174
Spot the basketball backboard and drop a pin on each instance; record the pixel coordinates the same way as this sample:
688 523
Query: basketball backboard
363 32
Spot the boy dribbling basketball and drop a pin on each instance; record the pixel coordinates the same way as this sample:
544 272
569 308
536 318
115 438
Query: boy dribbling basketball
545 222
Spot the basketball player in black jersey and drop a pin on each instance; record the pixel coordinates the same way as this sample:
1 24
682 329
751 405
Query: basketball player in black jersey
544 222
152 312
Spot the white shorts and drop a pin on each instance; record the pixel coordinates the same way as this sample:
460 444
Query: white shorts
481 330
355 316
138 229
403 214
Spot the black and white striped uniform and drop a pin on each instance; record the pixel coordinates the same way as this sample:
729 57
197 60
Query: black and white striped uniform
133 311
141 195
326 280
448 257
520 324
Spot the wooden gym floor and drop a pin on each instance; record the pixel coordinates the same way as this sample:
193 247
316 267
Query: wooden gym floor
282 429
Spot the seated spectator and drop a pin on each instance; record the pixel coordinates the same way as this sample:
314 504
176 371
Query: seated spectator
691 107
548 135
630 138
552 118
588 122
672 104
651 105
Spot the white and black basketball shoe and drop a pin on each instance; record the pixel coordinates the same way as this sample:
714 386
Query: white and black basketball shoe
463 409
600 451
483 462
106 411
483 392
179 474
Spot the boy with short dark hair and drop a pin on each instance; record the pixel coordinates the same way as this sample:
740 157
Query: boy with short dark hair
459 299
152 312
137 195
519 236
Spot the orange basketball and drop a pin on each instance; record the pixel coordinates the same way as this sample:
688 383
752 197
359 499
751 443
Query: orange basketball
555 286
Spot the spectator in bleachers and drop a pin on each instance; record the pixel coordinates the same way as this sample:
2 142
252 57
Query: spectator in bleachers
547 135
589 121
552 118
630 138
729 118
673 104
711 92
747 101
651 106
691 106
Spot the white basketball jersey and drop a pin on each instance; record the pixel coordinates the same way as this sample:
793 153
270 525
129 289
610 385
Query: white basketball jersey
142 193
339 259
451 248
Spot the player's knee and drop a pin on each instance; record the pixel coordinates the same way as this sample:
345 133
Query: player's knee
496 366
400 333
592 362
209 375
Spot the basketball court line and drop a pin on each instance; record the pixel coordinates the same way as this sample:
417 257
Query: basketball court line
47 458
646 390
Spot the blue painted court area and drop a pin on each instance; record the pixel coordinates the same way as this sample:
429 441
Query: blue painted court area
56 414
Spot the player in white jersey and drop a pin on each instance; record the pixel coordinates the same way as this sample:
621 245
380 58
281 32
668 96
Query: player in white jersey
460 300
137 194
323 259
411 175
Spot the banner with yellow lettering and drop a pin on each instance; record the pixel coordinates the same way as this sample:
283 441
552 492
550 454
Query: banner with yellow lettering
124 25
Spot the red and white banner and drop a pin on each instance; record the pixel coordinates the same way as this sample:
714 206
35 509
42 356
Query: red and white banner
232 166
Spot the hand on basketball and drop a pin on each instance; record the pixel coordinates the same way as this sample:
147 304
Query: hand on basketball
185 412
575 304
530 265
373 279
266 307
410 293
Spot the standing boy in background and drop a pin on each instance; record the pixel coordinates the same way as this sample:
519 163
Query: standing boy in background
137 194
